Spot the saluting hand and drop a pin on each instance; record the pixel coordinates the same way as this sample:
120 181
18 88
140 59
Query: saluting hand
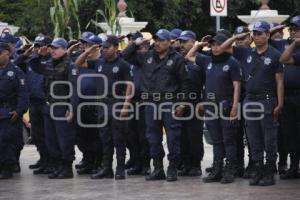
241 35
28 52
206 38
141 42
14 116
93 48
200 44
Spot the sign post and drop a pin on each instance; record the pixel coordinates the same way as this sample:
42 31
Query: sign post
218 8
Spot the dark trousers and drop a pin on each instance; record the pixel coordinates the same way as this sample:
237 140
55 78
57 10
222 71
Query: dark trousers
136 138
37 130
88 140
192 150
262 133
60 136
290 127
223 134
154 133
10 136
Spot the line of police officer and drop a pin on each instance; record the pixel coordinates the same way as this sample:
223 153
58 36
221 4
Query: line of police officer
225 76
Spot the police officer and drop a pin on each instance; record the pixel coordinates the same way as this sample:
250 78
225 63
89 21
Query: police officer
88 139
175 33
13 104
59 107
289 129
192 149
243 42
114 69
37 100
163 78
11 40
277 33
222 88
139 162
264 91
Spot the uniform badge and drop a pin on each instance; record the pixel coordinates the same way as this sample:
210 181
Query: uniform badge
100 68
74 72
22 81
268 61
226 68
240 29
170 62
10 73
115 69
186 68
150 60
249 59
209 66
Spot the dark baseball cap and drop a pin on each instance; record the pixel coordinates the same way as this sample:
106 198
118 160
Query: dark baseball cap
163 34
187 35
295 21
42 40
175 33
225 32
261 26
86 35
111 40
4 46
94 39
59 43
241 29
219 38
8 38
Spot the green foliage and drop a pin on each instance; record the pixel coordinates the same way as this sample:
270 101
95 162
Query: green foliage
65 19
110 16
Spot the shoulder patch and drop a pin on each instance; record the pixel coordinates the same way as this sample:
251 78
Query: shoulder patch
115 69
10 73
226 68
170 62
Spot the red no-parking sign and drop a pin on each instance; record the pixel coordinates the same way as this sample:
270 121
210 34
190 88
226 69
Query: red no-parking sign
218 7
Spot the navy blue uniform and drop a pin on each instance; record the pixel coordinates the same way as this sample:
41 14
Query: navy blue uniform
60 134
113 133
289 132
161 76
261 88
35 83
13 97
88 139
220 75
192 150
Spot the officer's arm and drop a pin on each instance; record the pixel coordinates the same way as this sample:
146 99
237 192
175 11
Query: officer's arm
227 45
287 56
131 53
280 89
22 94
236 93
21 62
191 55
37 65
82 59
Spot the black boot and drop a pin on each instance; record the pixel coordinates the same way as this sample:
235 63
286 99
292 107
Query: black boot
209 169
172 171
146 170
248 170
105 171
158 173
293 172
268 178
6 172
67 170
257 173
120 171
86 168
195 169
36 165
57 168
81 163
229 172
129 164
216 174
184 171
136 169
41 169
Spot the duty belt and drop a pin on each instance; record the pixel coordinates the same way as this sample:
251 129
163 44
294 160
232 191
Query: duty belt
257 97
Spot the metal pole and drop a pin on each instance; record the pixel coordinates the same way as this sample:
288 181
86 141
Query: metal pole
218 23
